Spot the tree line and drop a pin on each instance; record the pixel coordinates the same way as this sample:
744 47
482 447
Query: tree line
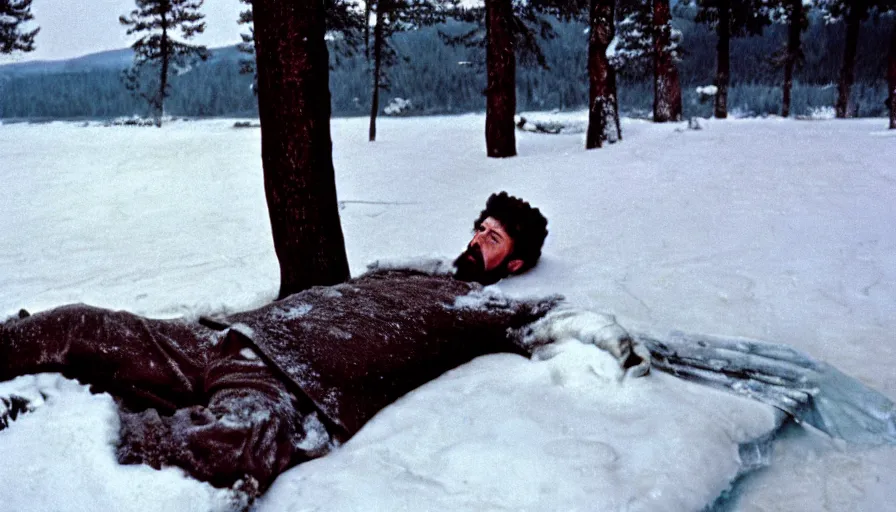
397 47
443 79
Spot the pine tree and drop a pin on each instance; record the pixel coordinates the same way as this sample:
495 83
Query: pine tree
343 25
158 51
500 107
603 103
891 76
512 30
247 45
603 99
390 17
13 13
645 41
730 18
380 10
794 14
292 61
854 12
666 52
633 49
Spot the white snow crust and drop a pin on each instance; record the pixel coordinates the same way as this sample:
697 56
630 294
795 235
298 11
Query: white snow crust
60 457
504 433
771 229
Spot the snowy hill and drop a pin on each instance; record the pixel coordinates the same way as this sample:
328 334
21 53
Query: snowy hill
111 59
115 59
772 229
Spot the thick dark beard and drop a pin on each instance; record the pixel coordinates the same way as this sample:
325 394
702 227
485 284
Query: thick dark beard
467 270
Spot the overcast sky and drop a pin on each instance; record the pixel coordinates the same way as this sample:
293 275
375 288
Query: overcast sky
71 28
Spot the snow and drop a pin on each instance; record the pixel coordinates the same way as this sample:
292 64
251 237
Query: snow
61 457
568 436
772 229
397 106
291 312
478 298
249 354
825 112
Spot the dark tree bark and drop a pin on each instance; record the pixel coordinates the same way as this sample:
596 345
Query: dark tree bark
377 68
847 72
296 149
603 116
13 13
500 138
891 78
666 85
165 57
794 32
616 135
723 59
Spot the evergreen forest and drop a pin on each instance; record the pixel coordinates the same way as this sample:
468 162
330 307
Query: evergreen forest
438 78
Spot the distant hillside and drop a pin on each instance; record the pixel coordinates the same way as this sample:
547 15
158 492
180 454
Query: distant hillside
438 79
104 60
112 59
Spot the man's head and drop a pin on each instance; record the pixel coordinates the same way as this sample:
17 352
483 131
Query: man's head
507 239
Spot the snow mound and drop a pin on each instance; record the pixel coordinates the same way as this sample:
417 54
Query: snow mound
61 456
506 433
433 265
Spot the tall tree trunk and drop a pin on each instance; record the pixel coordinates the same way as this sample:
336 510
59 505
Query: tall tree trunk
602 114
500 139
891 77
159 104
723 59
377 63
614 135
793 51
367 11
847 72
296 149
666 86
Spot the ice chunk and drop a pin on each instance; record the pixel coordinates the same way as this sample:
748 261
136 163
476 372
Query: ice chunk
811 391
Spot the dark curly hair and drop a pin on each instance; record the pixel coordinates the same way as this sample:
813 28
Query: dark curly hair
526 226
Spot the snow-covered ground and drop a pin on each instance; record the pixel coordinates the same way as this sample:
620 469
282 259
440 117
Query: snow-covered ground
772 229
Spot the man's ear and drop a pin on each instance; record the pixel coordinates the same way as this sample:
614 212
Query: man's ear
514 265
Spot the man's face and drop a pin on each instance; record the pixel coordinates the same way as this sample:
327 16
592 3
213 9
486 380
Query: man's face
486 259
493 243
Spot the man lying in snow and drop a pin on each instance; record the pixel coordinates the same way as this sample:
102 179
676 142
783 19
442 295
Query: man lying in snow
247 396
